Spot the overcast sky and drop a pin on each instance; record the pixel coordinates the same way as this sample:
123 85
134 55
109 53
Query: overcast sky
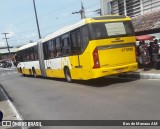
18 18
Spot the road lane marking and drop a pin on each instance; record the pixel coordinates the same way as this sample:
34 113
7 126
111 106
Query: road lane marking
7 69
8 73
18 116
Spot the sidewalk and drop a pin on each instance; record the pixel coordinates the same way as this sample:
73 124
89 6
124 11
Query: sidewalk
9 111
141 74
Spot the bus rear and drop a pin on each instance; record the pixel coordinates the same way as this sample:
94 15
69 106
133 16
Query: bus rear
113 46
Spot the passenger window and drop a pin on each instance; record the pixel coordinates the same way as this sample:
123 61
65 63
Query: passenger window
31 53
28 54
50 45
58 47
45 50
75 40
78 41
24 55
19 56
53 49
65 44
35 53
85 37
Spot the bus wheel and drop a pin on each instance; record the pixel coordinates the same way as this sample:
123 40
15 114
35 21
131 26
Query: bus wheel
34 73
67 75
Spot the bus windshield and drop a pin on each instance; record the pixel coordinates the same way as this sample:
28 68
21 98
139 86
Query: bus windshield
104 30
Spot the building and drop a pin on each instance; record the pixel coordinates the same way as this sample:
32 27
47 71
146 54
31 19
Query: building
130 8
148 23
145 14
4 54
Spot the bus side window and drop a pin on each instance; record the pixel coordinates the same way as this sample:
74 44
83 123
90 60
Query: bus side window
75 40
65 45
23 55
26 51
85 37
58 47
45 50
78 41
28 54
31 53
19 57
53 49
49 48
35 52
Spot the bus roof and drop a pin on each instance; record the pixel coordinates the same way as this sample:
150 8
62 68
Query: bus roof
27 45
72 27
110 17
81 23
63 30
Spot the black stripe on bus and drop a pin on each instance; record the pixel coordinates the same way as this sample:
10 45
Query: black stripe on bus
117 41
109 17
112 46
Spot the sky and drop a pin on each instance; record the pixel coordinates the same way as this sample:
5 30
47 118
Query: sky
17 17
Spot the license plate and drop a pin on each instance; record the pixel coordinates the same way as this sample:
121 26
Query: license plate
120 70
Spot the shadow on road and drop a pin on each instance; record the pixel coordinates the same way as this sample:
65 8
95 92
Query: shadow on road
99 82
103 82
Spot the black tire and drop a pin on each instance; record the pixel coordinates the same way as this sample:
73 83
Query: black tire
67 75
34 73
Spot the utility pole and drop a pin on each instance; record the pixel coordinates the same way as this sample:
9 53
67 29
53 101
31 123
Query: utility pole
39 34
82 11
98 11
7 44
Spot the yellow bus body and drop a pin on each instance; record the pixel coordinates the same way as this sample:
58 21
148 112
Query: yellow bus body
116 56
111 61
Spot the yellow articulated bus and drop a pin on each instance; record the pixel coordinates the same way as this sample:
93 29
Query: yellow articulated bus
92 48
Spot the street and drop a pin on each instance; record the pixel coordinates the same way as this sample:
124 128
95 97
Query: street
101 99
116 41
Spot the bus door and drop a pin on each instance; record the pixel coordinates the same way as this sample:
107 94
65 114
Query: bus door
76 47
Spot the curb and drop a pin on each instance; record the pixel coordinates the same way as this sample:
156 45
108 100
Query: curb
18 116
138 75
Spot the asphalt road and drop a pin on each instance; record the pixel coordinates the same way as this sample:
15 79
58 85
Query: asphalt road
101 99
